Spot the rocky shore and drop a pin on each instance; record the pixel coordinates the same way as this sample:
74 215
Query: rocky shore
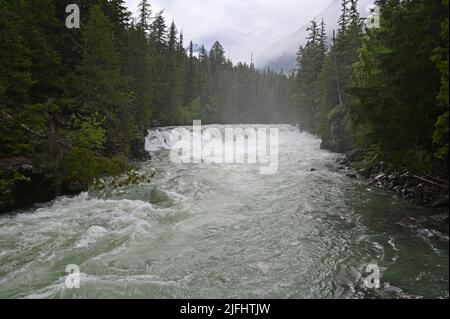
423 190
37 185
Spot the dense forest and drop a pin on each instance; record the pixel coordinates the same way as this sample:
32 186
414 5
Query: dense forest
75 104
383 89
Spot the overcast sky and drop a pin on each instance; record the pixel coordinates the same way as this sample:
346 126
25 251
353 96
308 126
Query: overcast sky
242 26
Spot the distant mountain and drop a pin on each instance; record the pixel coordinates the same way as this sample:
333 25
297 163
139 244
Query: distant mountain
282 54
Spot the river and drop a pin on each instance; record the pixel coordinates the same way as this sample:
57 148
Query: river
227 231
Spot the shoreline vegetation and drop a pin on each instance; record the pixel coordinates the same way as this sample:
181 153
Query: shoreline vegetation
380 96
75 103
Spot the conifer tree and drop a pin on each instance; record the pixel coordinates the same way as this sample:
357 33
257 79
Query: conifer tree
144 16
102 87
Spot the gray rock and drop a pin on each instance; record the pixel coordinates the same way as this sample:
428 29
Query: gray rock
411 190
441 201
339 139
355 155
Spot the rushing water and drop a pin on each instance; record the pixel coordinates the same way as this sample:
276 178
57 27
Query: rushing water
220 231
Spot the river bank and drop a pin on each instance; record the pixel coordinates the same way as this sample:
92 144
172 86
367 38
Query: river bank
424 190
26 180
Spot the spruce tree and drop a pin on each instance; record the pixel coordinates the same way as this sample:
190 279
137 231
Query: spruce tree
144 16
100 83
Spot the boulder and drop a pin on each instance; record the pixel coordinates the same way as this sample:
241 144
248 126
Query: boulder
137 150
441 201
339 139
356 155
380 176
39 187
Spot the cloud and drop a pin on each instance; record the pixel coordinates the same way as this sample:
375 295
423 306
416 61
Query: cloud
242 26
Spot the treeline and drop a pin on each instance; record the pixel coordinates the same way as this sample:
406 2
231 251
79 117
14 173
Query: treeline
76 103
382 89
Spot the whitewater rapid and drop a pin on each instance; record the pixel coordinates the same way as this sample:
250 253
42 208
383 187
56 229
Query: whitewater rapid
227 231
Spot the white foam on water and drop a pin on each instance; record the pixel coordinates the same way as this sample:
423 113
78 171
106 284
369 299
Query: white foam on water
93 234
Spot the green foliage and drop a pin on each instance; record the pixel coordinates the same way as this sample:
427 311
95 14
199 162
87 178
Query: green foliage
88 132
183 115
441 133
196 109
7 182
82 167
105 186
75 101
310 62
440 136
397 83
383 82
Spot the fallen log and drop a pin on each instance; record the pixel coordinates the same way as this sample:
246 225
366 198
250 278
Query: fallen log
430 182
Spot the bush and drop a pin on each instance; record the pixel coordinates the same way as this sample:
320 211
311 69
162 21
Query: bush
82 167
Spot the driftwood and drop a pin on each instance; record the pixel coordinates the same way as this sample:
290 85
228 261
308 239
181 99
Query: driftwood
430 182
437 179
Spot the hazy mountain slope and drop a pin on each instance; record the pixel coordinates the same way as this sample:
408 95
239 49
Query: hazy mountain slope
282 54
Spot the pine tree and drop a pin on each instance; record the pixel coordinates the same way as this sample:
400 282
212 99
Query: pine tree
310 61
217 54
180 47
102 88
344 17
139 68
118 15
158 32
441 133
15 80
397 83
173 35
144 16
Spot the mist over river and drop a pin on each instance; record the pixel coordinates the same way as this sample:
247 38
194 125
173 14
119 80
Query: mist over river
227 231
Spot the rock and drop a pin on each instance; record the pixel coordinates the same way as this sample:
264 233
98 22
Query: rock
442 218
364 172
441 201
411 190
355 155
39 187
339 139
137 149
313 170
419 192
351 175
